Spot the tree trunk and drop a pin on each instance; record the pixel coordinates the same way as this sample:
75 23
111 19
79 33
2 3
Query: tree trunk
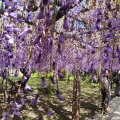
76 97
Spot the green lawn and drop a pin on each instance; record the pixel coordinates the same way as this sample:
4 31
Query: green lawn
90 100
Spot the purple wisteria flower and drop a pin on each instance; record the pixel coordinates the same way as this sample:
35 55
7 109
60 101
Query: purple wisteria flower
22 101
11 103
39 28
5 115
98 20
9 27
106 50
100 0
25 32
98 26
67 5
109 24
37 39
28 75
65 24
108 35
108 5
16 73
117 49
47 19
115 15
13 14
93 51
50 46
60 74
89 47
94 78
27 87
19 92
59 96
41 13
105 60
43 82
10 55
24 79
17 106
61 38
34 100
45 2
49 113
99 11
16 112
10 3
38 58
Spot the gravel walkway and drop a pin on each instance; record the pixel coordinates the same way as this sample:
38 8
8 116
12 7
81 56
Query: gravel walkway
115 111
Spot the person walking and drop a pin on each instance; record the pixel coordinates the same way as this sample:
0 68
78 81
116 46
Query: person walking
117 82
106 91
109 89
104 96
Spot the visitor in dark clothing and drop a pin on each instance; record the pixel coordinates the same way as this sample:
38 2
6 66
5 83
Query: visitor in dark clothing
117 81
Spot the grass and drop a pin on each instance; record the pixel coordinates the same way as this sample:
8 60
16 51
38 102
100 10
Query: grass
90 100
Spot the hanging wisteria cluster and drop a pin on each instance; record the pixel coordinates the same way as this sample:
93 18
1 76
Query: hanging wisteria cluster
32 38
